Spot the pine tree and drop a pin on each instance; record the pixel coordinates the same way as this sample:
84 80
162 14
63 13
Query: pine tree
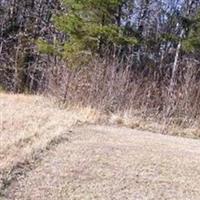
93 25
192 41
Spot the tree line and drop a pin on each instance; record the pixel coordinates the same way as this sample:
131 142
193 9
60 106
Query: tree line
152 42
155 33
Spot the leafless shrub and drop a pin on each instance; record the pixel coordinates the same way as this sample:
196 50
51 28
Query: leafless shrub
117 87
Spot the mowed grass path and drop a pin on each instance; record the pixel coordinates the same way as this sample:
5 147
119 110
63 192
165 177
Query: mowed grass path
107 163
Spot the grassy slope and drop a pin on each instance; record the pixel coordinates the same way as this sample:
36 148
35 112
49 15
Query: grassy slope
29 124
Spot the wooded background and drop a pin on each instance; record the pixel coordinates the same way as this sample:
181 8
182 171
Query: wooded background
119 54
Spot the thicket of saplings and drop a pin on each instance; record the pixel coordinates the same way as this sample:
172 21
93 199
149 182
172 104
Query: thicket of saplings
131 56
120 85
112 85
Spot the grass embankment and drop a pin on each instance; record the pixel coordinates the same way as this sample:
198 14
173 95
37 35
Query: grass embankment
30 125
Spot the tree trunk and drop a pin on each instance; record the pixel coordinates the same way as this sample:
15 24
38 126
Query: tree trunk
175 65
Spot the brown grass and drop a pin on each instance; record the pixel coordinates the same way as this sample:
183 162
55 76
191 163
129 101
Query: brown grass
134 121
28 123
31 123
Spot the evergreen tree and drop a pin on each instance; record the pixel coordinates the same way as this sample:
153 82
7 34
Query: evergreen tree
93 25
192 41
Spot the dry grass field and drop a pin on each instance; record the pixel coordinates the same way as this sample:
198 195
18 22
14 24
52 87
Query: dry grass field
44 155
31 124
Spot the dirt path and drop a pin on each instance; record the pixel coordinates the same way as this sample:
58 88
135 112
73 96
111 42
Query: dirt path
108 163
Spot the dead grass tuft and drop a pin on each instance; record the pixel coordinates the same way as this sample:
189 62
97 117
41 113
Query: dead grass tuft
170 126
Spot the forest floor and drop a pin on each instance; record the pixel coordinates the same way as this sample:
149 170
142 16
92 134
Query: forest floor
45 155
